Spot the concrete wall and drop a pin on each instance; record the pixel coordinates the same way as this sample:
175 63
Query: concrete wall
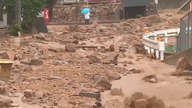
172 4
4 22
173 59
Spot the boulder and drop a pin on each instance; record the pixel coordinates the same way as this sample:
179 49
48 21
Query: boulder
113 58
70 47
116 91
29 93
113 76
4 55
94 59
36 62
184 64
140 103
150 78
112 48
101 81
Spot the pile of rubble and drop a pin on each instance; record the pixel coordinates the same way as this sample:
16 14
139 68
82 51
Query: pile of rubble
51 69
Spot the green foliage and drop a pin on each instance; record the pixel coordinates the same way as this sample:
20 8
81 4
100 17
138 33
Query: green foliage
10 6
15 28
30 10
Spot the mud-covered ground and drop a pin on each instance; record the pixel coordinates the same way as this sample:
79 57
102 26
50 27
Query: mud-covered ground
50 70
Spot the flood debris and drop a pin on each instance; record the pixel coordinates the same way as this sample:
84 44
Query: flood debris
140 100
150 78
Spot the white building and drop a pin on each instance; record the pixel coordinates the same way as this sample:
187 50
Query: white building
3 18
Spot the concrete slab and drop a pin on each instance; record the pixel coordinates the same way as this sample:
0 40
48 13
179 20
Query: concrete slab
173 59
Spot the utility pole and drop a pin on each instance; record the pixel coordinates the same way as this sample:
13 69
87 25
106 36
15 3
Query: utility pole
18 12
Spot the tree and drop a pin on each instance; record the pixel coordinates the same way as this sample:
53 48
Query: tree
29 11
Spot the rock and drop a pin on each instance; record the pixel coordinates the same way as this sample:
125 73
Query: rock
184 64
116 48
138 95
38 55
2 90
29 93
112 57
136 71
25 61
79 36
53 50
14 105
36 62
27 68
40 36
70 47
140 103
113 76
150 78
4 103
15 70
51 77
24 43
100 81
114 103
122 49
112 48
93 59
39 95
127 102
59 62
116 91
130 57
153 102
4 55
140 100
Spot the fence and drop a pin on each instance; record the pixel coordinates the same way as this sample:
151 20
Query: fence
184 40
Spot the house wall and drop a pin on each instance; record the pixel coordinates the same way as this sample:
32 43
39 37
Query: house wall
4 22
72 13
172 4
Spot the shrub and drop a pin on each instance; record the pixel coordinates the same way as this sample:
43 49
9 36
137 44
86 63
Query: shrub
15 28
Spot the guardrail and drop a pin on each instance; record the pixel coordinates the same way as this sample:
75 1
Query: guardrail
152 45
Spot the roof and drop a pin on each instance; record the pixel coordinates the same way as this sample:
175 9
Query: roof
133 3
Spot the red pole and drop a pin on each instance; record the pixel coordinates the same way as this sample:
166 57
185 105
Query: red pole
46 15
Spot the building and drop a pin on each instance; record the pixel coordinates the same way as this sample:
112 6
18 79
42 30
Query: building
3 17
134 8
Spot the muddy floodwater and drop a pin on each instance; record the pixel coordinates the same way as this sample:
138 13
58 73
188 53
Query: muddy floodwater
171 93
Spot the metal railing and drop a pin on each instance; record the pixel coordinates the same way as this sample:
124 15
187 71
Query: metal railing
152 45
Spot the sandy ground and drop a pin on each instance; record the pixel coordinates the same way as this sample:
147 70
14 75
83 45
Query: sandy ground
58 74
